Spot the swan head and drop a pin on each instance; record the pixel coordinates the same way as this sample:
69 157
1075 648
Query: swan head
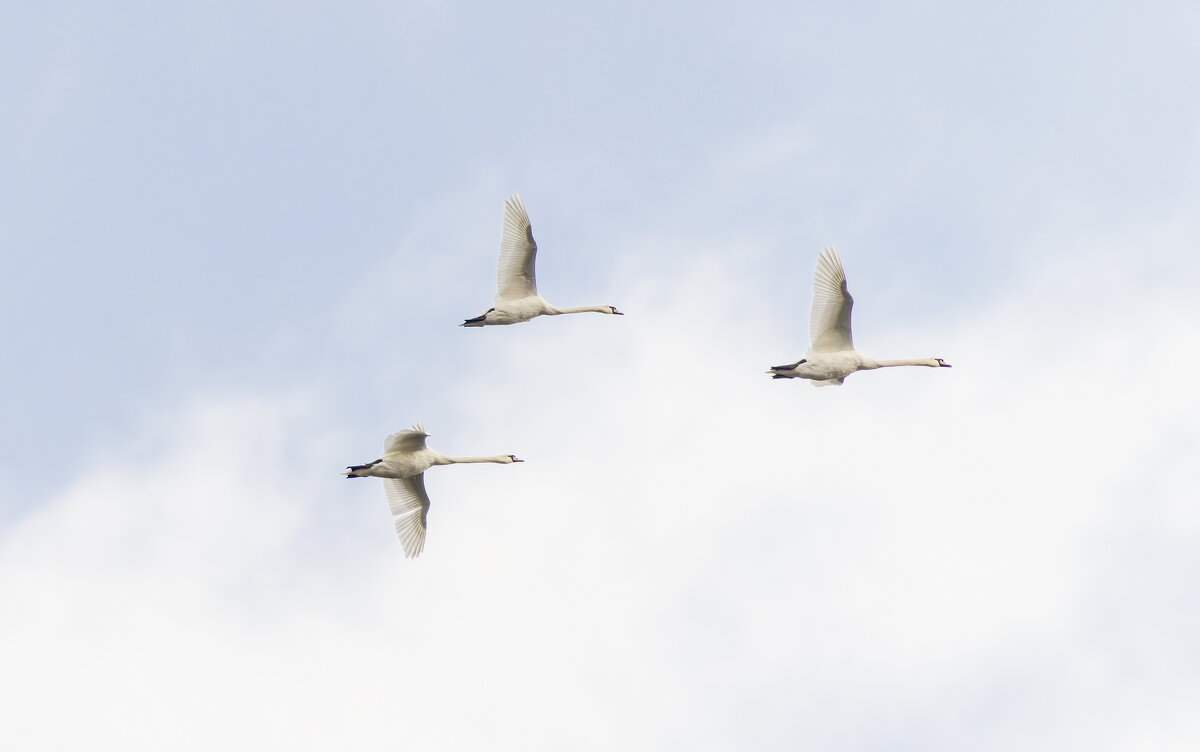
514 458
613 310
942 364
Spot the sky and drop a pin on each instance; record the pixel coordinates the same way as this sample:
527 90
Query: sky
236 242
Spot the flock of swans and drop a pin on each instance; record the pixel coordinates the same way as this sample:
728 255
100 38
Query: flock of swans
828 361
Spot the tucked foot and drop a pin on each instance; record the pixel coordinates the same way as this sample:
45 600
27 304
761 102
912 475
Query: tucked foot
779 372
789 367
350 471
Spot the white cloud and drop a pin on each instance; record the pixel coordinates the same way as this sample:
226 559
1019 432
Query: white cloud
693 555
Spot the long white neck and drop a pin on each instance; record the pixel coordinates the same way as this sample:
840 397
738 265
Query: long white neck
552 311
444 460
870 364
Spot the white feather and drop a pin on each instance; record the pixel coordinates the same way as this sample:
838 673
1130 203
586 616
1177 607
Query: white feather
410 506
515 275
829 319
408 440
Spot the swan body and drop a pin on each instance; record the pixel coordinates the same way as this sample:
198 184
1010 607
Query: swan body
517 298
832 357
402 467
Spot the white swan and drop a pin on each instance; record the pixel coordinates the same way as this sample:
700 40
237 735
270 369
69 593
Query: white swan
517 297
402 466
832 356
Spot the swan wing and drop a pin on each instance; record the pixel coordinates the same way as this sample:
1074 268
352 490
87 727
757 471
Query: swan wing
408 440
514 271
829 321
410 505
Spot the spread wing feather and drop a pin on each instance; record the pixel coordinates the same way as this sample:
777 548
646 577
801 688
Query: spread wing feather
515 270
410 504
408 440
829 320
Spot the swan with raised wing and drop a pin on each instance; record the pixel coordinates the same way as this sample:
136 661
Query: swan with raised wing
402 466
517 298
832 356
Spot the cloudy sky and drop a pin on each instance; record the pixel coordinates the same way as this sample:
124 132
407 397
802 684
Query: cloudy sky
236 241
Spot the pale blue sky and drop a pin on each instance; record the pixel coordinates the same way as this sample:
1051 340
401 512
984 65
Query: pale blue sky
184 184
238 237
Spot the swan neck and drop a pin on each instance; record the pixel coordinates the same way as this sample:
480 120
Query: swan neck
900 362
578 309
444 460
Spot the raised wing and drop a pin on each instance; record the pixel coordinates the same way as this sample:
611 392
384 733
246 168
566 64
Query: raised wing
410 505
829 320
514 271
408 440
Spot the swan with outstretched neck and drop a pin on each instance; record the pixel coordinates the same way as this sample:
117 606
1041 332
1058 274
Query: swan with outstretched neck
832 356
402 467
517 298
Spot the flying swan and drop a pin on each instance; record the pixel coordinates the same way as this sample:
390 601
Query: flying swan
832 356
517 297
402 467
